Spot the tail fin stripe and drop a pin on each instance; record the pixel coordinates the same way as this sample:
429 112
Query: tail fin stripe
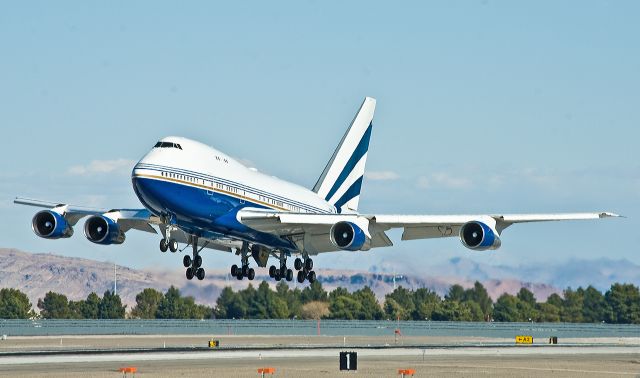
351 193
358 153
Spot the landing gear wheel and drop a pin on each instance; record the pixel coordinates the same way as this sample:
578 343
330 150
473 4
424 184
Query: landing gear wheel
277 276
189 273
312 277
197 262
163 245
234 270
239 276
308 264
251 274
173 245
186 261
245 270
301 276
272 271
297 263
289 275
200 274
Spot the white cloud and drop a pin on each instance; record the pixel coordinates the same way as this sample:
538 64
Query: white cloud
97 167
443 180
381 175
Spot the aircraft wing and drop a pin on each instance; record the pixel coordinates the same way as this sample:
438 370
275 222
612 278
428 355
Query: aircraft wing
414 226
139 219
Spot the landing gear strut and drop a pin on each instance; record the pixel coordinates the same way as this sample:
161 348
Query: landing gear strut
244 270
194 264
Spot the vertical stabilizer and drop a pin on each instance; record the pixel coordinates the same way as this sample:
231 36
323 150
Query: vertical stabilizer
341 180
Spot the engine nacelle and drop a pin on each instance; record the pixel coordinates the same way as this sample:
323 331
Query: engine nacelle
478 236
51 225
103 230
348 236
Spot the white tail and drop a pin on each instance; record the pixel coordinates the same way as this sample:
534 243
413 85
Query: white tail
341 180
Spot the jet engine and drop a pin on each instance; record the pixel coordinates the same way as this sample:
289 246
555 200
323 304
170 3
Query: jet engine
103 230
479 236
348 236
51 225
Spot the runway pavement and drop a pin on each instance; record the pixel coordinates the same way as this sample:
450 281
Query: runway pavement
242 359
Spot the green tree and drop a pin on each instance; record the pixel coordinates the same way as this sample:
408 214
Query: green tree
345 307
479 295
174 306
425 302
313 292
404 299
90 307
111 306
452 311
456 293
291 297
623 302
547 312
556 300
14 304
394 310
594 306
370 307
572 304
54 306
147 302
230 305
506 309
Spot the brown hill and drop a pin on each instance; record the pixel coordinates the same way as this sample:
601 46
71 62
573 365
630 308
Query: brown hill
36 274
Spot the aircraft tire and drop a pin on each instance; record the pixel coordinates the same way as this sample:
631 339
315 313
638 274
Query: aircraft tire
297 263
308 264
251 274
301 276
189 273
289 275
272 271
312 277
186 261
200 274
234 270
239 277
197 261
173 245
163 245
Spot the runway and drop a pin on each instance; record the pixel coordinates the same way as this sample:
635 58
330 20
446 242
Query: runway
242 358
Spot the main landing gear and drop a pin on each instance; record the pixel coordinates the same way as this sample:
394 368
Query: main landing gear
244 271
283 272
193 264
304 267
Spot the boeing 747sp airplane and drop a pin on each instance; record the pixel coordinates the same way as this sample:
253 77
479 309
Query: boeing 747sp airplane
199 196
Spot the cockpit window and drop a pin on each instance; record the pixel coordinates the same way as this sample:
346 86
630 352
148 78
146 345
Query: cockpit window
167 145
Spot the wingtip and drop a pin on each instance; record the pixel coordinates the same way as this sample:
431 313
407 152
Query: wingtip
611 215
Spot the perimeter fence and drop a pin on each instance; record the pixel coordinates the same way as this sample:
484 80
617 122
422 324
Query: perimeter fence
58 327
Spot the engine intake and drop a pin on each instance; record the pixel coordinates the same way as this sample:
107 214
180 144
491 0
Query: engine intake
348 236
103 230
479 236
51 225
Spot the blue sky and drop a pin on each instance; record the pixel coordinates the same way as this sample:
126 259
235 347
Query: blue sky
483 107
